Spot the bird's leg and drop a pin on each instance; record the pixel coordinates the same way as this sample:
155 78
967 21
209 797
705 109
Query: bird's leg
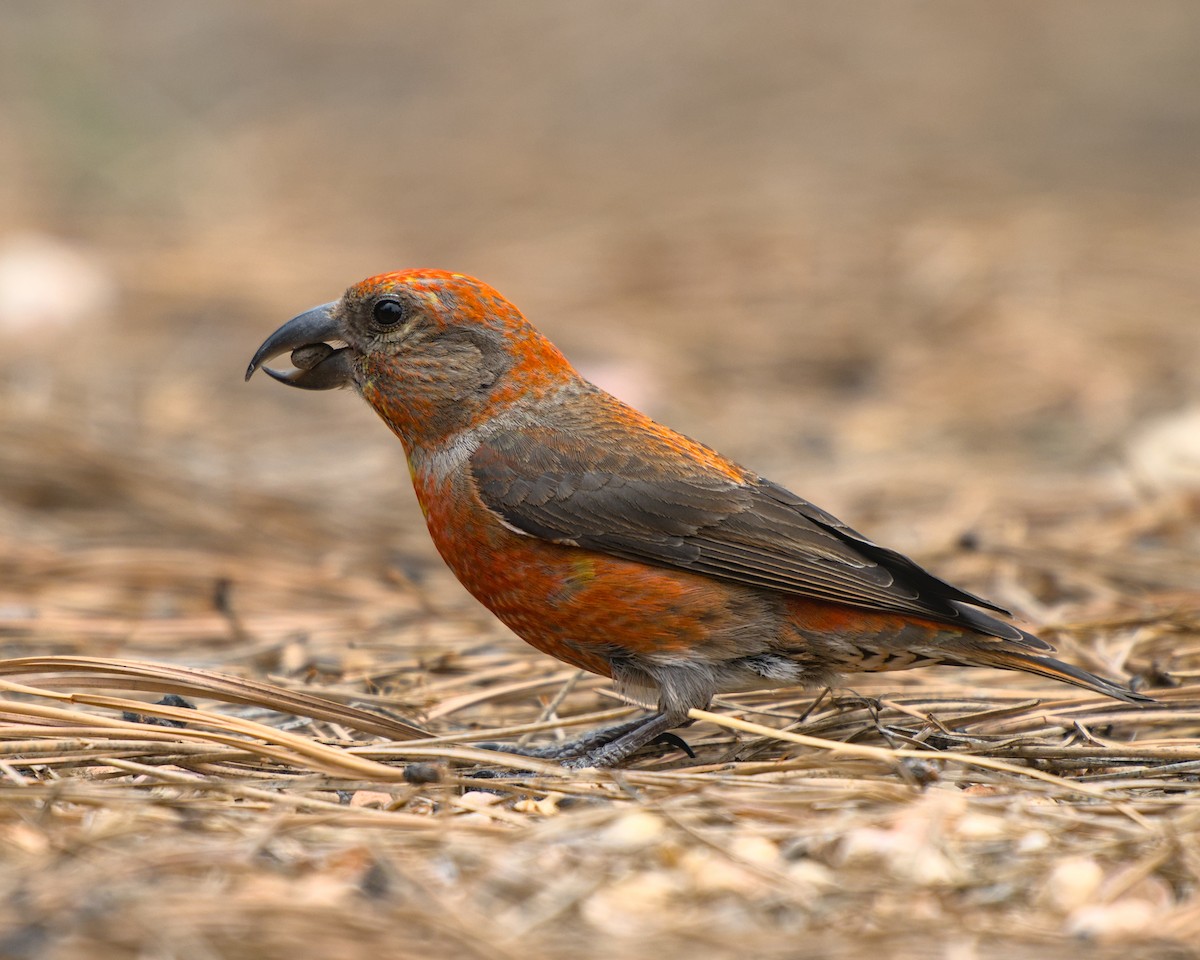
592 749
566 749
627 742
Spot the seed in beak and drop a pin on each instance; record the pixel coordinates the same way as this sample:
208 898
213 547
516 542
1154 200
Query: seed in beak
309 355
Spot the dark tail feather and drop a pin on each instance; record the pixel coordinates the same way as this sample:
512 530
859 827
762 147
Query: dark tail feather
1057 670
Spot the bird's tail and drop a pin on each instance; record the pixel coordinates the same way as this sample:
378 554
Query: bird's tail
1057 670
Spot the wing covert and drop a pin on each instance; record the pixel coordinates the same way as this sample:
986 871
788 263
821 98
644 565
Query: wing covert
676 512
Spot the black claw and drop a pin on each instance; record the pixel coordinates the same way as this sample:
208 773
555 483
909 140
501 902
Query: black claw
675 740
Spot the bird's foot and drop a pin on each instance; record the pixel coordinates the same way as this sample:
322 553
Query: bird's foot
616 748
567 749
605 747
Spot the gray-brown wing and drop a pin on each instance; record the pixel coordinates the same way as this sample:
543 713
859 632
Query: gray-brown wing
679 513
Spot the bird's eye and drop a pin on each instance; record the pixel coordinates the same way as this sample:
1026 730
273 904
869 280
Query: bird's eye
388 313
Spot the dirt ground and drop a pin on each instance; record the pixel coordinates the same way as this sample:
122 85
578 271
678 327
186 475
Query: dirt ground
934 266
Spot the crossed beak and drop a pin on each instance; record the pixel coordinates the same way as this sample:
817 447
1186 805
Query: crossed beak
319 366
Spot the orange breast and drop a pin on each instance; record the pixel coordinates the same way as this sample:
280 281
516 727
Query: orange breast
582 607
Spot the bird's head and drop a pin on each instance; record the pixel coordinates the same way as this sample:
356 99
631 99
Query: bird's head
433 352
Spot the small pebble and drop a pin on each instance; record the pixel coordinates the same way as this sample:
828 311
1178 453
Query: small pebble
371 798
422 773
478 799
1073 883
632 831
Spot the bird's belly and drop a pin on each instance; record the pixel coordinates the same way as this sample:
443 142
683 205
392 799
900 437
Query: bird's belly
587 608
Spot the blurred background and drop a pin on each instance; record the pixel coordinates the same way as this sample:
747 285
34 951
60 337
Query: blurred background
933 265
874 251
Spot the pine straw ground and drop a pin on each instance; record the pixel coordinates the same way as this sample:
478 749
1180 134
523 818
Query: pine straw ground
319 798
166 529
937 272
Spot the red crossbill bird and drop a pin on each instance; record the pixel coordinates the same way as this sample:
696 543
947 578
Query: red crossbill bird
614 543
